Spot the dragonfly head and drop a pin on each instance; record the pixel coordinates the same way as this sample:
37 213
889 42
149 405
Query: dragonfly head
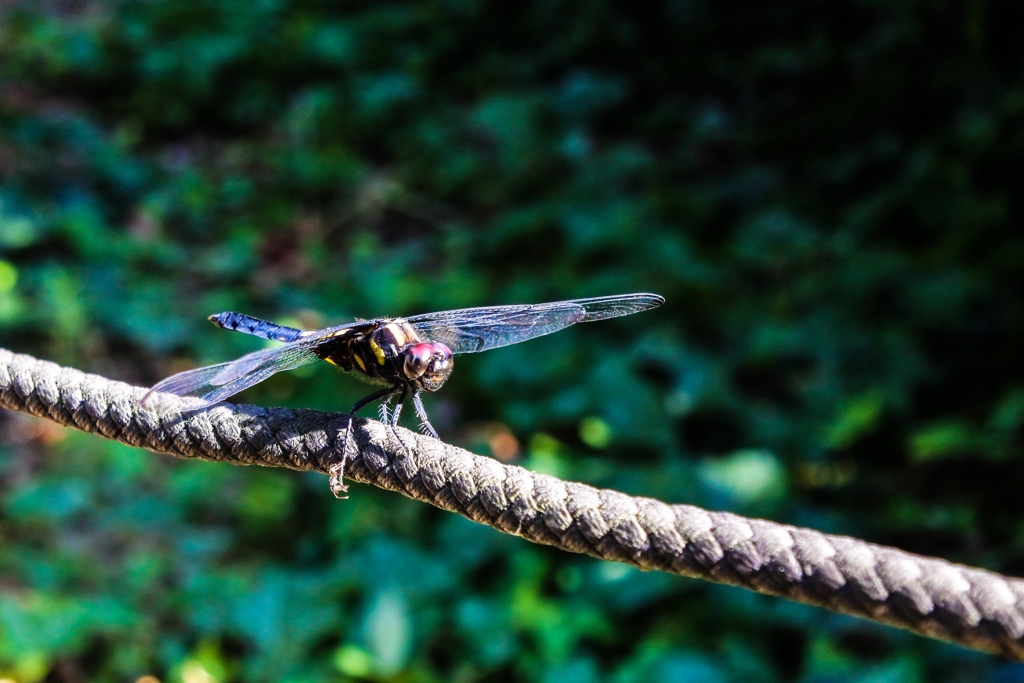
427 365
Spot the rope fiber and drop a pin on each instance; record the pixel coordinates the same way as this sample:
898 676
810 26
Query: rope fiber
973 607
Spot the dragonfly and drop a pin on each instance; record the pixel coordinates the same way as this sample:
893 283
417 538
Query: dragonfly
406 355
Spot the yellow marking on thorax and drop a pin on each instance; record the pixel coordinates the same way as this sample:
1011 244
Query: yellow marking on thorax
410 333
398 333
330 361
378 352
359 362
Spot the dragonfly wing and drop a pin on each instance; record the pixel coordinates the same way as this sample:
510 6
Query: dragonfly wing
217 382
470 335
471 330
604 307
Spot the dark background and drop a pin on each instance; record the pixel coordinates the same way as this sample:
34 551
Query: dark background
827 194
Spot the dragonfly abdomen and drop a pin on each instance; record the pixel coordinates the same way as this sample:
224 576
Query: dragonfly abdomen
254 326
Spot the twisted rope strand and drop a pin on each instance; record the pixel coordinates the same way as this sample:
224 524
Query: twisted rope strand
972 607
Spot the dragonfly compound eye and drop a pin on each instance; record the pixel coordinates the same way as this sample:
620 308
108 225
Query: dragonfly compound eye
417 359
438 368
440 362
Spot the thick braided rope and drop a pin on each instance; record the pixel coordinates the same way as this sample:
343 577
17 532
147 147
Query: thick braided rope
969 606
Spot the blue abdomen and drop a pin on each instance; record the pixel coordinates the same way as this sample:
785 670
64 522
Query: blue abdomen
254 326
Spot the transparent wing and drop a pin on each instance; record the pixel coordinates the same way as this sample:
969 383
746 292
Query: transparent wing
470 330
217 382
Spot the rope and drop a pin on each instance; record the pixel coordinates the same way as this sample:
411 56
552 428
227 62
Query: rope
973 607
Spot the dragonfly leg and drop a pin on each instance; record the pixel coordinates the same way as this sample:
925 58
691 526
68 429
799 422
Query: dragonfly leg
425 425
395 415
383 411
398 406
337 469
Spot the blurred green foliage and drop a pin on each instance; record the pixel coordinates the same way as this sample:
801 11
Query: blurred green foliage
828 195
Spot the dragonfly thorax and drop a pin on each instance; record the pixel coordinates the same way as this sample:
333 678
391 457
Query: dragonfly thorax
392 352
